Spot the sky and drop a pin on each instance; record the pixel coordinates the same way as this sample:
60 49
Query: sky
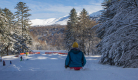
45 9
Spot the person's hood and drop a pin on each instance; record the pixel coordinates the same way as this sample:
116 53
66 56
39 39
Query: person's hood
75 50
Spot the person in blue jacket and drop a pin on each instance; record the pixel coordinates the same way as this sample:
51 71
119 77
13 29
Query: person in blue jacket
75 58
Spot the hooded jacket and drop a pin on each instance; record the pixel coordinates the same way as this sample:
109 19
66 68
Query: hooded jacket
75 58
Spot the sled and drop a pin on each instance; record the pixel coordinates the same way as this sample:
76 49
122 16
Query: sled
31 53
55 52
17 56
63 53
22 53
76 68
37 52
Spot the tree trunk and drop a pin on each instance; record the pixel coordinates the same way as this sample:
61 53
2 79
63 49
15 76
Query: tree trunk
22 31
136 2
7 50
89 47
83 45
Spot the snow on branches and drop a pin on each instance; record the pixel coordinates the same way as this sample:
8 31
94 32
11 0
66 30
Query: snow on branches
119 34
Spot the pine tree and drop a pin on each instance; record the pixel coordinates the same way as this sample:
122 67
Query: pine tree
119 35
4 33
106 13
84 21
23 19
71 29
9 19
9 15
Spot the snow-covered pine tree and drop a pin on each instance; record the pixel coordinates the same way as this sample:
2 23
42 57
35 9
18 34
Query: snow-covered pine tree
119 34
84 23
4 33
10 21
23 19
106 13
9 15
71 29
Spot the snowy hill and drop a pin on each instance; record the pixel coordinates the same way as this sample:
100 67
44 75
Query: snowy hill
51 67
51 21
58 21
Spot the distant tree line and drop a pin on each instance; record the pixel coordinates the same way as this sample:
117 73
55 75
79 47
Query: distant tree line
48 37
14 30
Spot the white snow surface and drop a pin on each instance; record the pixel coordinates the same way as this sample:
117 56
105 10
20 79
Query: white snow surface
51 67
50 21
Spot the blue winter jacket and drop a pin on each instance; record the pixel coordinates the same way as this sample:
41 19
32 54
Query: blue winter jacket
75 58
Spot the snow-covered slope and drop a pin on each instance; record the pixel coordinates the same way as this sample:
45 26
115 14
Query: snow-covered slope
51 21
51 67
42 21
60 21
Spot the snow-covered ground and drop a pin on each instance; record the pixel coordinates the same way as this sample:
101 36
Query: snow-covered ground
51 67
